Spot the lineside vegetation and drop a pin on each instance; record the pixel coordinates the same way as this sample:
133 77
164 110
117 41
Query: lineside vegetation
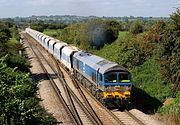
19 104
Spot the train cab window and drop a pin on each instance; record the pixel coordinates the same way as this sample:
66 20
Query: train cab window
111 78
124 77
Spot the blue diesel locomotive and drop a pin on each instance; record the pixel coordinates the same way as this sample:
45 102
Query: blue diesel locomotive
106 80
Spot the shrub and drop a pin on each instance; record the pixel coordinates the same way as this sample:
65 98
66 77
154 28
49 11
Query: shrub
136 27
172 111
19 103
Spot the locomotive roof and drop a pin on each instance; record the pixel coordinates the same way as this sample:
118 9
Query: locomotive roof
97 62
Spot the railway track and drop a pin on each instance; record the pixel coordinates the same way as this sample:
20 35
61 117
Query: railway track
126 117
90 111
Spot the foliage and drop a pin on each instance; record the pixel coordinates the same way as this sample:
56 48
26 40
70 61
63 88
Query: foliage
56 26
19 62
112 51
5 32
18 101
168 54
94 33
19 104
172 110
4 37
41 25
165 38
136 27
15 33
10 45
148 78
52 32
102 32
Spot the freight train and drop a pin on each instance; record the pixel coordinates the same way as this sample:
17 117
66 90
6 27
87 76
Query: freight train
106 80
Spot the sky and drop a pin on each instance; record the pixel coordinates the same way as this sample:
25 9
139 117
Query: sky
145 8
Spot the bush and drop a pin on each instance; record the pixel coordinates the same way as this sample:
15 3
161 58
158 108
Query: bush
19 62
148 78
172 111
19 104
136 27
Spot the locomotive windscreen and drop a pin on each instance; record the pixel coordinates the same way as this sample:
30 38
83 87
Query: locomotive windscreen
124 77
117 77
111 78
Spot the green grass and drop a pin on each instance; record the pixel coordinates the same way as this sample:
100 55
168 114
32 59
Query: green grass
122 34
51 32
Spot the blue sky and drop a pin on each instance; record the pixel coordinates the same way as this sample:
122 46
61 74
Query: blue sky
24 8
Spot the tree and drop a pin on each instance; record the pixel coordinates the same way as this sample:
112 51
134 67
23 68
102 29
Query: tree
102 32
170 54
136 27
94 33
39 26
4 37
